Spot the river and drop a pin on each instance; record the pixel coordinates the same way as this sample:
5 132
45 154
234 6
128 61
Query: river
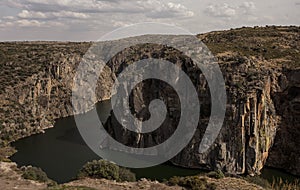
61 152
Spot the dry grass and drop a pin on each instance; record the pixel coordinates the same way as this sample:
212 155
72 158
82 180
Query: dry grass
279 185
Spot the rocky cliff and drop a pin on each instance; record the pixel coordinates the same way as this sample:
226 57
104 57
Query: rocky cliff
261 71
285 152
250 124
36 85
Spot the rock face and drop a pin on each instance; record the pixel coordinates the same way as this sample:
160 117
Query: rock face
249 127
261 72
285 152
250 123
37 88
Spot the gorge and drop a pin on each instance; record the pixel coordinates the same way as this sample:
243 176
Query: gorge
262 76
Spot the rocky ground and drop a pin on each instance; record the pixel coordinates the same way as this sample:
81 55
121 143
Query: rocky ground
10 178
221 184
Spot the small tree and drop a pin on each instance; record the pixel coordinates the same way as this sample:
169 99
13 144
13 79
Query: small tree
100 169
107 170
34 173
126 175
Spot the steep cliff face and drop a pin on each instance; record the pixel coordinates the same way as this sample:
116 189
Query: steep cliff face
250 123
261 71
285 152
277 49
37 86
36 101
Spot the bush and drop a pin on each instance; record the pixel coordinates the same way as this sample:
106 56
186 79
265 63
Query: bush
192 182
126 175
216 174
107 170
100 169
34 173
5 153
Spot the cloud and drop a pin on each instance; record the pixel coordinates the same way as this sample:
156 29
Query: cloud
31 14
95 13
158 9
247 7
228 11
28 23
61 5
89 19
220 10
21 23
27 19
8 17
152 8
69 14
51 15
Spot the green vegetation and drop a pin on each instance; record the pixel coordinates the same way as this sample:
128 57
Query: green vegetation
126 175
5 153
36 174
271 42
192 183
216 174
107 170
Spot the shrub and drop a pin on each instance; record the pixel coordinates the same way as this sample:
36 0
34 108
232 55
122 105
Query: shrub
100 169
34 173
192 182
216 174
5 153
107 170
126 175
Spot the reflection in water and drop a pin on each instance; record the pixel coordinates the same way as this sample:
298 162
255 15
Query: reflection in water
61 152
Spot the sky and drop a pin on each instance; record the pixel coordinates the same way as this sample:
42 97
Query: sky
88 20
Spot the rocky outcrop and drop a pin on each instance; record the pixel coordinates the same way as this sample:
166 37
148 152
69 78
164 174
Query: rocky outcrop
261 71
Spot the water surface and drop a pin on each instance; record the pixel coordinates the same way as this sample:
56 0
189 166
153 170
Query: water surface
61 152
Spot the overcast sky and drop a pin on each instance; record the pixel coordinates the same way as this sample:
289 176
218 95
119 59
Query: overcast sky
85 20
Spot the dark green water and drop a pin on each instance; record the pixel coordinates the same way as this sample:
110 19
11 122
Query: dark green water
61 152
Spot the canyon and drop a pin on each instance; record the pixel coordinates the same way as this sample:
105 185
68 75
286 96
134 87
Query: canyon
260 66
